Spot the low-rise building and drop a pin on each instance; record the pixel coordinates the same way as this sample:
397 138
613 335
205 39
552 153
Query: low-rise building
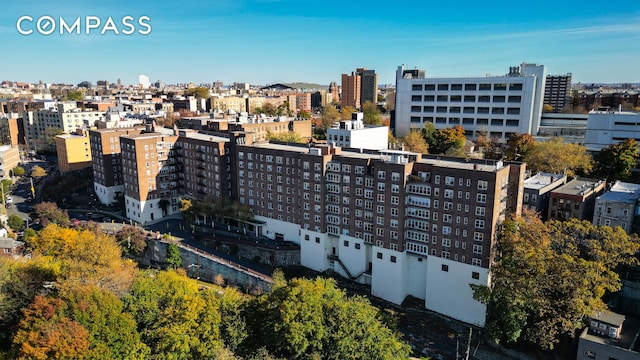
11 248
576 199
617 207
609 336
537 190
354 134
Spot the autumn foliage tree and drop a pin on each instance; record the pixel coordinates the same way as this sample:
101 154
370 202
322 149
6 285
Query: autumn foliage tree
46 333
549 277
558 157
415 142
49 213
132 239
518 146
38 172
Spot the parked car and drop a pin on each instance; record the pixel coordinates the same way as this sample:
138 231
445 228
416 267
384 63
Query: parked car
9 200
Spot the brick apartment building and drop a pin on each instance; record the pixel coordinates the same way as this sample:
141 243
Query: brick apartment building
404 223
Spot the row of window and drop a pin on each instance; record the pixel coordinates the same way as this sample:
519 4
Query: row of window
467 98
467 87
466 110
464 121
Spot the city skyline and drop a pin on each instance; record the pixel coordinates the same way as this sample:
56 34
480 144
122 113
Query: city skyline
273 41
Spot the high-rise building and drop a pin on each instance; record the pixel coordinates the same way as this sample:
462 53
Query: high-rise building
106 158
333 90
495 106
359 87
143 81
350 90
368 86
557 91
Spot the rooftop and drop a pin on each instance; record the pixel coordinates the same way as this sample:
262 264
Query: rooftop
628 334
622 192
579 186
541 179
9 243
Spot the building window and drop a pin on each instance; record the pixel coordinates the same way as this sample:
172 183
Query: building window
445 267
379 255
357 246
346 243
392 259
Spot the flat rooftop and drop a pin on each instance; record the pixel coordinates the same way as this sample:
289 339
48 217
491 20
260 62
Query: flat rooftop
578 186
622 192
540 180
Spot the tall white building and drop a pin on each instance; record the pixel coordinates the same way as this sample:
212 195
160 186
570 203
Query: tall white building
354 134
605 128
497 106
144 82
42 126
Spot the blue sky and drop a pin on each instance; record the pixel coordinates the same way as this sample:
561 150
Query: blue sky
268 41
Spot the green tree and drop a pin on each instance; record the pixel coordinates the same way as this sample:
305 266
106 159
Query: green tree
312 318
415 142
518 147
329 116
132 239
549 277
175 319
199 92
284 109
267 109
556 156
113 333
75 95
6 187
49 213
346 112
616 161
428 132
371 114
18 171
304 114
15 222
38 172
547 108
174 259
289 136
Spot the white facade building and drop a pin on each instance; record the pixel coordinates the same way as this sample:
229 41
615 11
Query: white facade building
495 106
605 128
354 134
42 126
